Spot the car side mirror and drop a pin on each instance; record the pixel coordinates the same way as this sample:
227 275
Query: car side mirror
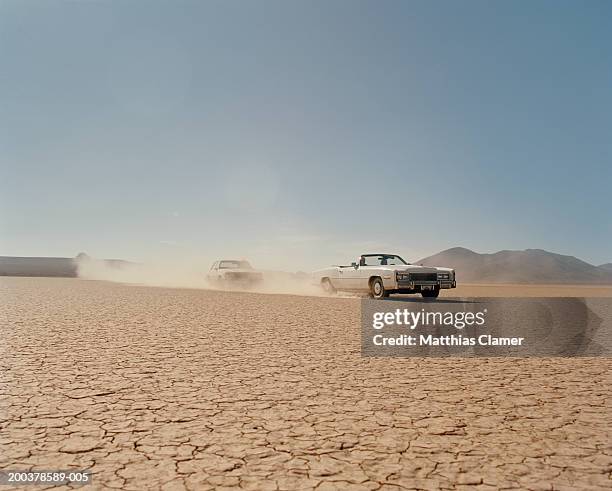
354 265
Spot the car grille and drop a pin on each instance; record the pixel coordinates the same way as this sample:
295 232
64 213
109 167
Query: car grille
423 277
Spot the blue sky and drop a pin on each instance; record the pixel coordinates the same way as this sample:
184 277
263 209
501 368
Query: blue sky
304 133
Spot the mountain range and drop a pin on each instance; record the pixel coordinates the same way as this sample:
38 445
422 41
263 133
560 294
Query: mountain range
528 266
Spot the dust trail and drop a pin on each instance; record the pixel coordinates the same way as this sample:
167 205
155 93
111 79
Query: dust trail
189 274
160 274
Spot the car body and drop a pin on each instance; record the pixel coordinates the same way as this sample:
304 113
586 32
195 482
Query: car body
233 272
383 274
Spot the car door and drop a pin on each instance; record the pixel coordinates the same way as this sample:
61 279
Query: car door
356 278
350 278
361 277
345 277
218 272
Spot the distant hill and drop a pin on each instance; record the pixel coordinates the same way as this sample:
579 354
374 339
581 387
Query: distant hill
528 266
37 266
46 266
605 267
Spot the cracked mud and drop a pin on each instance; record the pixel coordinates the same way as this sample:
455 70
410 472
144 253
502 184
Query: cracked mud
155 388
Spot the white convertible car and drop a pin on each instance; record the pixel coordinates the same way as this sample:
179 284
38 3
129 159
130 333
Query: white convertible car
383 274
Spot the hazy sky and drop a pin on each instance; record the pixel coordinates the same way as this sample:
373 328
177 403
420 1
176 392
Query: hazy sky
305 133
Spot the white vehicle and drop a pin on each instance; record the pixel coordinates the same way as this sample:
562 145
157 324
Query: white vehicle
383 274
231 272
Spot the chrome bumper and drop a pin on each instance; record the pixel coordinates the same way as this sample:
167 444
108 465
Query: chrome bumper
415 285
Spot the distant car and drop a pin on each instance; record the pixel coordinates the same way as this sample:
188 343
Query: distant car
231 272
383 274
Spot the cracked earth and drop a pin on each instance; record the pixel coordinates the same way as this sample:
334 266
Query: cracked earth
155 388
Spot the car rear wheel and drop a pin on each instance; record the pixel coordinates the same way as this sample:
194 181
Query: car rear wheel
431 293
327 286
377 289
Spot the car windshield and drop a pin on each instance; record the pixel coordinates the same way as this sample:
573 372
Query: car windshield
234 265
382 260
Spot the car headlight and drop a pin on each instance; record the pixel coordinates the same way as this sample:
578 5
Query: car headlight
402 276
444 276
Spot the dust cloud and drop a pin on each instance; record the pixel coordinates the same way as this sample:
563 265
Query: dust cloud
190 274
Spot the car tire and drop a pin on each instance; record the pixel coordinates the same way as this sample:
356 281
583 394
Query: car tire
327 286
377 288
431 293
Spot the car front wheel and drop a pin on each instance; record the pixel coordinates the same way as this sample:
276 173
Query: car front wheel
377 289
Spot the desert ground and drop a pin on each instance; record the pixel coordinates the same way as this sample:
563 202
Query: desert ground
159 388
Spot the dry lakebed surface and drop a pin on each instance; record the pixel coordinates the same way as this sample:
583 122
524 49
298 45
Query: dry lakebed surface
159 388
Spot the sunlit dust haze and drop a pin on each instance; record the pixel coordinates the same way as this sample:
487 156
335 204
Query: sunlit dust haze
188 274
